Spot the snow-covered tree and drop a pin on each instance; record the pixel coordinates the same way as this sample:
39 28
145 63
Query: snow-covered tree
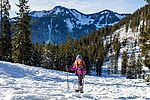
131 69
49 56
112 59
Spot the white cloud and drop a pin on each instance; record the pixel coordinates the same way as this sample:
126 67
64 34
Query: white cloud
85 6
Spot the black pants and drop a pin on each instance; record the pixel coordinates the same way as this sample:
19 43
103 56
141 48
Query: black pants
80 82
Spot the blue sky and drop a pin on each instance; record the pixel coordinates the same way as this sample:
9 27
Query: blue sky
84 6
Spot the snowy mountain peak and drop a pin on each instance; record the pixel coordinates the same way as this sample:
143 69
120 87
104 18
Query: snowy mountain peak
106 11
56 10
57 23
59 7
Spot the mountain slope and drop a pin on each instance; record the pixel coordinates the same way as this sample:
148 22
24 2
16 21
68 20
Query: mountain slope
53 26
24 82
127 31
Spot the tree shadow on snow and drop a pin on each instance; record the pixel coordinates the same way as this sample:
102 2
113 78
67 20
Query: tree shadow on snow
113 84
130 98
14 71
53 78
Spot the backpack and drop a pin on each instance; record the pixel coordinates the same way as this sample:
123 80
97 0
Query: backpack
81 68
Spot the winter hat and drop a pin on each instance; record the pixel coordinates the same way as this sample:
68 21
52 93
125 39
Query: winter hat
79 56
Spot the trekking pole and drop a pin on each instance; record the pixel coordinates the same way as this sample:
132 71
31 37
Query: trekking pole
83 84
67 78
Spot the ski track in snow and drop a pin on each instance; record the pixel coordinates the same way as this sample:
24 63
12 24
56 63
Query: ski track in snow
21 82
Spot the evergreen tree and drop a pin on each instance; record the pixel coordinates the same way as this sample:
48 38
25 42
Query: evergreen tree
70 52
145 46
38 52
111 57
124 63
22 46
5 41
100 59
87 63
116 47
131 69
61 57
51 57
56 58
139 67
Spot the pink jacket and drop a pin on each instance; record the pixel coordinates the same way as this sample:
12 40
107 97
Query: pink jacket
79 70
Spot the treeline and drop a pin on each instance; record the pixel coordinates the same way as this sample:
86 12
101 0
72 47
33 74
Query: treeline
61 57
15 40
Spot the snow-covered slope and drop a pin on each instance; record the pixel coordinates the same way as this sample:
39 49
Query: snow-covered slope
21 82
131 45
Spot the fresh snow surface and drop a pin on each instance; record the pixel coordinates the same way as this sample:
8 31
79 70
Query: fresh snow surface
21 82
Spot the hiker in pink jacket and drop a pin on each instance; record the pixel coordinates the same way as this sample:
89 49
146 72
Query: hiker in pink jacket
80 70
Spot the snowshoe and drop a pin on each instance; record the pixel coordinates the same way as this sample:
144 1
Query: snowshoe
77 90
81 92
